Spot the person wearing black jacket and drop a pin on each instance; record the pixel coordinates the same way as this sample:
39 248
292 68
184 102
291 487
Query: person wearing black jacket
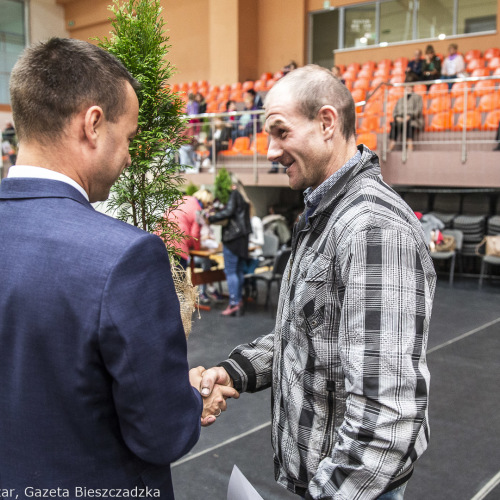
235 246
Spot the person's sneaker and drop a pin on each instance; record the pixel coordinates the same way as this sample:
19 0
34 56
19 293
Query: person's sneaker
215 295
204 299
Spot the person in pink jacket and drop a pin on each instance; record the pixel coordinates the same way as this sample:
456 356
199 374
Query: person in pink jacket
186 218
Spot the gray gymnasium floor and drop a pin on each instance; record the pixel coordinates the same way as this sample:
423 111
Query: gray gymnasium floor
463 460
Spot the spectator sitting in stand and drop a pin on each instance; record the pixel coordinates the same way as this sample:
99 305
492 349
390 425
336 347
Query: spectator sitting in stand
202 104
416 64
289 67
232 121
453 65
337 74
413 118
432 65
246 121
220 140
257 100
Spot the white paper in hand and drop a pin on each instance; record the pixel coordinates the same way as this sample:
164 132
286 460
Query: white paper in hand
240 488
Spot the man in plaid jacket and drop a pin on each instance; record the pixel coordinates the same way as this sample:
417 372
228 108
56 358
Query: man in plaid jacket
346 359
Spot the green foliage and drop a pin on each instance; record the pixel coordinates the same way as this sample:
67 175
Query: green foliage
149 188
222 188
191 188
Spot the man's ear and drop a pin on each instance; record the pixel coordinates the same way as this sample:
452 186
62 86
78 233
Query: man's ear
94 119
328 117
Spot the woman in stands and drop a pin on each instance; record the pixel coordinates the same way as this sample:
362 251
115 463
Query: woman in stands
432 65
409 113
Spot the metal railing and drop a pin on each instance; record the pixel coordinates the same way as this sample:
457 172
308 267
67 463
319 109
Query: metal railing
203 127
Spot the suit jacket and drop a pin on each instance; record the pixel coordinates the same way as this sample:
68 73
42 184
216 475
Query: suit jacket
414 108
93 368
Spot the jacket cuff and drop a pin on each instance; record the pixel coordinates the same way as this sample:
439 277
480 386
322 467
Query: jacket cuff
241 372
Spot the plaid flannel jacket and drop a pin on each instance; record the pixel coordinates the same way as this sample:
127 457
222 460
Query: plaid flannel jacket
346 360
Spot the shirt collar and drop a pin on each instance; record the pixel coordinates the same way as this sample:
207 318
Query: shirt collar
44 173
312 198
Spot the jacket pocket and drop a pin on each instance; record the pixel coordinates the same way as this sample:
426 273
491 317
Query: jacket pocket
329 436
313 293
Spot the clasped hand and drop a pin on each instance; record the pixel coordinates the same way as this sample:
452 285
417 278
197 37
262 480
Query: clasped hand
215 387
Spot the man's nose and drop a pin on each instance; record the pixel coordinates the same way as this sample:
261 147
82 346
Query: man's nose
274 151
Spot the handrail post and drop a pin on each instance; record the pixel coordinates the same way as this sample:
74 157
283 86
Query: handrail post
384 132
405 126
464 129
255 170
214 152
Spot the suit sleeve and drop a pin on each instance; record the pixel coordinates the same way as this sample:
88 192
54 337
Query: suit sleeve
144 349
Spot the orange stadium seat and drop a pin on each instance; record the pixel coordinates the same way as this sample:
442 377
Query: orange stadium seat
225 87
440 122
384 63
266 76
358 95
236 86
494 62
438 90
374 107
369 139
361 83
365 73
212 107
175 87
475 64
439 104
395 93
481 72
369 65
383 72
213 88
247 85
260 85
240 144
496 72
459 103
377 81
270 83
278 75
484 87
489 102
398 71
349 75
261 143
401 62
472 54
492 120
490 53
458 88
472 122
354 66
397 79
369 123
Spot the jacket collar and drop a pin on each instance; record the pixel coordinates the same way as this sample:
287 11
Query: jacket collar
29 188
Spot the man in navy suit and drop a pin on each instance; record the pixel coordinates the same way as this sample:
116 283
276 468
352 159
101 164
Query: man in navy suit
95 394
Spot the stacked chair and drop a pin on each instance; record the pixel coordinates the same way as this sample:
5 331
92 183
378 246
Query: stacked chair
490 260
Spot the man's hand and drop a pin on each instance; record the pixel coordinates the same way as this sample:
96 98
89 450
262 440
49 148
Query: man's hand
213 376
214 402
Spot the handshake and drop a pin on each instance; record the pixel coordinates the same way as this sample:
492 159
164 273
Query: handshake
215 386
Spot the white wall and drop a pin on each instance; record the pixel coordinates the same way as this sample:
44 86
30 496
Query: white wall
46 20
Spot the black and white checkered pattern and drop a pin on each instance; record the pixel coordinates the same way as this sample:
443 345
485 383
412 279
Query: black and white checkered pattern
346 360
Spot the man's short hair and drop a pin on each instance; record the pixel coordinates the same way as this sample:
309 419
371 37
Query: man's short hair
54 80
314 87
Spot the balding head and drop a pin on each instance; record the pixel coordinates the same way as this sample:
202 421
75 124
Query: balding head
313 87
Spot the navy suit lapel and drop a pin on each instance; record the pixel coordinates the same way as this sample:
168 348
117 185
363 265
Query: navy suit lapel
23 187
